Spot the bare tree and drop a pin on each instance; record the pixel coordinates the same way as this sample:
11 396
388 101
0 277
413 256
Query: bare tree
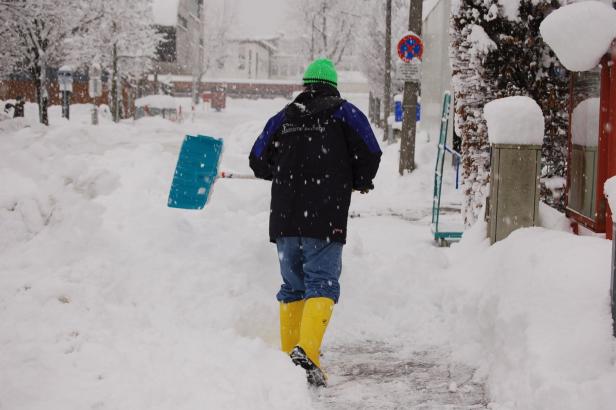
123 42
371 45
220 19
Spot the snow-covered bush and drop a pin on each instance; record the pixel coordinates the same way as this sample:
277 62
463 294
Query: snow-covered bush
497 51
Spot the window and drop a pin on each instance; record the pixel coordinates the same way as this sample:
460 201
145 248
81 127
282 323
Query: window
241 59
584 141
249 63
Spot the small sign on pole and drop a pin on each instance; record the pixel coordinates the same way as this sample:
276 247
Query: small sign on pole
65 81
410 47
410 71
410 50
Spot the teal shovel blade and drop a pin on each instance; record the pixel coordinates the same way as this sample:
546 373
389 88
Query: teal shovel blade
195 172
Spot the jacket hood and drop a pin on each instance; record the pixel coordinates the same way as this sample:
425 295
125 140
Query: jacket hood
314 99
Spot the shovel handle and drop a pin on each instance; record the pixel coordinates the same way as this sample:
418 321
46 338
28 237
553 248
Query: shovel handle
229 175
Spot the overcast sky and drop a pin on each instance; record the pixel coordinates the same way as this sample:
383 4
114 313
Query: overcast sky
257 18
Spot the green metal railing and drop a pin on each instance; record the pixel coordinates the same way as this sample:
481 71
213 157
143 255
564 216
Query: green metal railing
443 237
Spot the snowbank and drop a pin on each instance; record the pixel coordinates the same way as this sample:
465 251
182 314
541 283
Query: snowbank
585 123
580 33
111 299
158 101
514 120
534 310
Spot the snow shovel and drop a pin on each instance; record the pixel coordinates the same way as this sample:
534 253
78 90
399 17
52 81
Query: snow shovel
196 172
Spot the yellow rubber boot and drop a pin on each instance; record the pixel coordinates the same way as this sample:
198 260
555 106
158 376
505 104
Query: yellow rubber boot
317 312
290 320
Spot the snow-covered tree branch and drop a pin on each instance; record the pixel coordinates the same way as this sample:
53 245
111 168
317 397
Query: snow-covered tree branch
328 27
37 32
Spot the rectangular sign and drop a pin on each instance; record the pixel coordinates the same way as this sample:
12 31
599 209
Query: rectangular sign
410 71
95 88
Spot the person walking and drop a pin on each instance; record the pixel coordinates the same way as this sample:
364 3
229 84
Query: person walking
316 151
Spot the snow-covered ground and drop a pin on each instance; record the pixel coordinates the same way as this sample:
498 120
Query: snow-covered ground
111 300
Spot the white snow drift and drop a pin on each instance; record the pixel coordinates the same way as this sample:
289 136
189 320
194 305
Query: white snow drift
514 120
580 33
111 300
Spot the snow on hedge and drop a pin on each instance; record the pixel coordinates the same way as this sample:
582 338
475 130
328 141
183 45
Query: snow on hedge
580 33
514 120
482 43
585 123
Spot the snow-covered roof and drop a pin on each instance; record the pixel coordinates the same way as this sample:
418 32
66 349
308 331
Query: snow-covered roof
514 120
165 12
167 78
580 33
158 101
266 42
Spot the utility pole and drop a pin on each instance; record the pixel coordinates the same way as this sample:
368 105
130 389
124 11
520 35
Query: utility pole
115 99
199 55
409 103
387 89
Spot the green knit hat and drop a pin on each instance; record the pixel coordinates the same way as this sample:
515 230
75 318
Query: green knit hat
321 70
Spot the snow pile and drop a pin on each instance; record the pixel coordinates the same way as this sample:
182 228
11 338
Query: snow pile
158 101
550 218
585 123
580 33
165 12
514 120
114 300
533 311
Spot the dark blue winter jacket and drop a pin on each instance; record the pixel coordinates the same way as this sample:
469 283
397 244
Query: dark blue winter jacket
315 151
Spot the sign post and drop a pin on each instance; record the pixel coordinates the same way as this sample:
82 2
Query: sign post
95 89
410 51
65 80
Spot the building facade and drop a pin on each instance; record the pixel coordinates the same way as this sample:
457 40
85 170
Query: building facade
247 59
435 68
181 23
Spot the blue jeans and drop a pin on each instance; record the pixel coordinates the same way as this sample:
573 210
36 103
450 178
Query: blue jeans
310 268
